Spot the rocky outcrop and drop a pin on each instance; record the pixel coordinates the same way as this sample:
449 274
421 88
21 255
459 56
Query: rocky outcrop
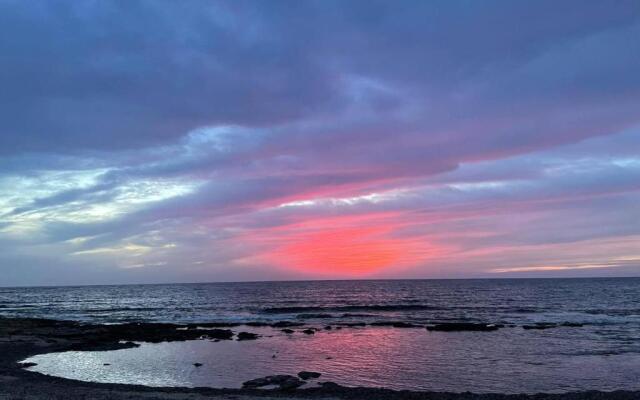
247 336
284 382
548 325
305 375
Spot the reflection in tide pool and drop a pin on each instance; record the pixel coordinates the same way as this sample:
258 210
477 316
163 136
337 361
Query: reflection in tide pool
510 360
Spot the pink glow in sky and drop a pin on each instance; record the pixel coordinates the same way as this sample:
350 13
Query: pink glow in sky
266 140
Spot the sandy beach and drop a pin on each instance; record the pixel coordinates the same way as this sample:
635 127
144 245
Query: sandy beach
21 338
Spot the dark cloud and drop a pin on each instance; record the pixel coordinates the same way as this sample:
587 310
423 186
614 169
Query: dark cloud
162 132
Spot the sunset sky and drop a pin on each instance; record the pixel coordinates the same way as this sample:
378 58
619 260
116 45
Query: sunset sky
167 141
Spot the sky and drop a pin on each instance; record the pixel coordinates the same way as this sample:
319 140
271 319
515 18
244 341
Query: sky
163 141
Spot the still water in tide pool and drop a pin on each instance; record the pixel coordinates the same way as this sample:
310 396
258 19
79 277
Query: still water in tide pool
511 360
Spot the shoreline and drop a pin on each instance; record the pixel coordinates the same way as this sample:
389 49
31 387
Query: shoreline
21 338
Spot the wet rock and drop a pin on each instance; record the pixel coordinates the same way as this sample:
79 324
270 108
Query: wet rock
247 336
329 385
287 331
463 326
284 382
197 365
309 332
256 383
221 334
291 383
308 375
540 326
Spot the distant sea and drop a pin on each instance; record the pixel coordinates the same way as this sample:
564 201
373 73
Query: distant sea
598 302
603 353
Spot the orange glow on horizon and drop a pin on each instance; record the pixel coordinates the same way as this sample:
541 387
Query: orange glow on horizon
342 246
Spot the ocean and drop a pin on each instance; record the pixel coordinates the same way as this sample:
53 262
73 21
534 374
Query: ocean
595 345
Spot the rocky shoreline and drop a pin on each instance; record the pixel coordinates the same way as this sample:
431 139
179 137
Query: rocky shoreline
21 338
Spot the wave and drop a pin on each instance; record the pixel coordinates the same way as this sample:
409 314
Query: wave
119 309
375 307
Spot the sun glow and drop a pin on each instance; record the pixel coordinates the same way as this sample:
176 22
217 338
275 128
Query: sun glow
344 246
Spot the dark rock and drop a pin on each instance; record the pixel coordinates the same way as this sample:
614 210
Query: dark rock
284 382
540 325
197 365
221 334
329 385
106 364
27 365
247 336
328 328
308 375
287 331
309 331
462 326
291 383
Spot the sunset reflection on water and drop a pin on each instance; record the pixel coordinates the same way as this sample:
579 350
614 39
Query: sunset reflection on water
510 360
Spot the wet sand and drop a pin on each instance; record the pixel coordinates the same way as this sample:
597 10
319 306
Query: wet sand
21 338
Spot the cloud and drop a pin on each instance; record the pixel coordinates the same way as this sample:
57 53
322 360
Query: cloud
208 133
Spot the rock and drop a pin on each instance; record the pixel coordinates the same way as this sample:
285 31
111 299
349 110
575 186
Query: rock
256 383
197 365
27 365
328 328
463 326
309 332
284 382
329 385
106 364
287 331
291 383
548 325
540 325
247 336
308 375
